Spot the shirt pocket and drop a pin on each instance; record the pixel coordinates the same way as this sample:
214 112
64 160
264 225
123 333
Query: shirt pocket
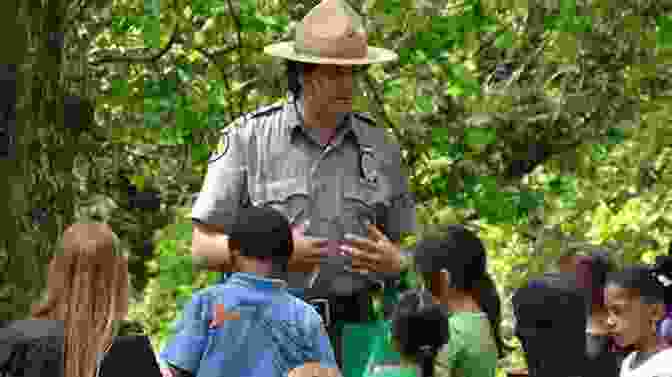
363 204
290 196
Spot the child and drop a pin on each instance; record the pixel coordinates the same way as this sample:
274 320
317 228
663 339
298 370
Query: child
418 329
250 325
602 355
453 267
635 300
551 317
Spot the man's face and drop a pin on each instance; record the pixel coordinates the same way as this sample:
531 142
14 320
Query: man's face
627 320
329 88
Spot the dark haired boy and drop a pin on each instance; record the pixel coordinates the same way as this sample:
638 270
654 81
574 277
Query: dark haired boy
249 325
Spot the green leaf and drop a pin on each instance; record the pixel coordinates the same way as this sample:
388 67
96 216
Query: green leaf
423 104
200 152
392 88
479 136
504 40
152 31
119 88
454 91
664 31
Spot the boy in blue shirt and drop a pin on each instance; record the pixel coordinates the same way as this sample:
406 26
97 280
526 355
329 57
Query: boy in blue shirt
249 325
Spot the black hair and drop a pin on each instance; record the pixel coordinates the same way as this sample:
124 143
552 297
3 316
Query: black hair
652 284
420 328
592 273
263 233
293 72
552 307
460 252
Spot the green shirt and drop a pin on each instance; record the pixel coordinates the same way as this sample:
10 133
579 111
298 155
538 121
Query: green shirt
471 350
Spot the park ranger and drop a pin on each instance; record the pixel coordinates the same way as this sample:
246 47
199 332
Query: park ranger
329 170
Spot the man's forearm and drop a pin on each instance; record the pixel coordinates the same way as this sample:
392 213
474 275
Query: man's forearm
211 251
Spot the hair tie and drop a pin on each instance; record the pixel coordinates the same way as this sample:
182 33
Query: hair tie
426 349
662 278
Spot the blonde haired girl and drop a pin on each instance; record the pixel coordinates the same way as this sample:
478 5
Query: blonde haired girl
87 289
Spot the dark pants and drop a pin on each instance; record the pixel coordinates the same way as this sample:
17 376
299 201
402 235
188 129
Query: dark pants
345 309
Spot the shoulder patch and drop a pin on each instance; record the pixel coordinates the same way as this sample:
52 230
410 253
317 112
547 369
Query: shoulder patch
266 110
366 117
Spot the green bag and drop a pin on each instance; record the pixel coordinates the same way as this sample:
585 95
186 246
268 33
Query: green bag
384 361
366 344
368 352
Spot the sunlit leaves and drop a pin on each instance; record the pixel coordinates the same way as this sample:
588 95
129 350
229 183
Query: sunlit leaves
152 23
664 31
479 136
504 40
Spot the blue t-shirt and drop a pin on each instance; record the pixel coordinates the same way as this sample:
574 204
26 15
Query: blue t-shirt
260 330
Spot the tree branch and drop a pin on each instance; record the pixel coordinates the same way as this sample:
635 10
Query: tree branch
140 59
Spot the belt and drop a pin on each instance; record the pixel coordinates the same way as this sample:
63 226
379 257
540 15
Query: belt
352 309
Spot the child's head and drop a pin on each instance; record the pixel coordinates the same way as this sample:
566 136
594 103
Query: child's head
419 328
261 241
552 307
635 299
455 261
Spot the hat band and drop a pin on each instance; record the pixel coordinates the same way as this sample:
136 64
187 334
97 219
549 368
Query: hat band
354 47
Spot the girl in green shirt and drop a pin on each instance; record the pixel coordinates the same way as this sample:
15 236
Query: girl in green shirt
418 329
453 267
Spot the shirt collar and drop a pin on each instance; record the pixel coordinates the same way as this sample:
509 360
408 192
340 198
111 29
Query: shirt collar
256 282
294 123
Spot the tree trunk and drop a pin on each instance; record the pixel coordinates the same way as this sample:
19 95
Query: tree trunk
39 188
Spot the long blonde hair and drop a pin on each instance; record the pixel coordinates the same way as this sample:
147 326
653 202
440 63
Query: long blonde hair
87 288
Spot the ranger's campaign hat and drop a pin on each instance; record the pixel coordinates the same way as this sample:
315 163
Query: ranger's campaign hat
331 33
261 232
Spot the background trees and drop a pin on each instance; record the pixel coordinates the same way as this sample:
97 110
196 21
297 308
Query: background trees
544 124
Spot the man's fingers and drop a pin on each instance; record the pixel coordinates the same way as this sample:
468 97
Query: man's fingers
360 242
375 234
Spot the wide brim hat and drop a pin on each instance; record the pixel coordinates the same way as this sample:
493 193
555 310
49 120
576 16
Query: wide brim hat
331 33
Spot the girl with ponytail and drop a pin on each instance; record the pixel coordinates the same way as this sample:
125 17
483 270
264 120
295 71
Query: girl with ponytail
419 329
453 267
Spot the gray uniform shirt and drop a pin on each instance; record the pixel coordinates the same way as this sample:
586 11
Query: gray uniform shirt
269 158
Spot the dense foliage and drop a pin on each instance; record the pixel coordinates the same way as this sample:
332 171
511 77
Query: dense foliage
542 123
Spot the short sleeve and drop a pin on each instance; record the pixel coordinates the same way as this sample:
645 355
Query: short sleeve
188 344
401 217
322 350
224 188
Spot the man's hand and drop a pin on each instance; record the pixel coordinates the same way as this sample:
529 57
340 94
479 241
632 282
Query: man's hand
308 253
375 254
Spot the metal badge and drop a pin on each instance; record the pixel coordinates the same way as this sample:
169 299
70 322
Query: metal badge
222 147
369 166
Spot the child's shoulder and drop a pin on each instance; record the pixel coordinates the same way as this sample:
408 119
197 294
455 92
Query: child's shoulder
299 307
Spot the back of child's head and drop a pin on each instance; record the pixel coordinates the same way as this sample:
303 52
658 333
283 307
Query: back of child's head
459 252
262 233
420 328
551 323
